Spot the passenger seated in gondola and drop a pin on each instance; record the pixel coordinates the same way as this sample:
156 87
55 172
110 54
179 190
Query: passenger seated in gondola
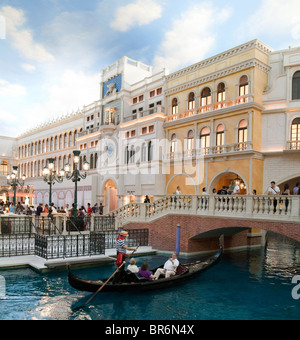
169 268
145 272
133 268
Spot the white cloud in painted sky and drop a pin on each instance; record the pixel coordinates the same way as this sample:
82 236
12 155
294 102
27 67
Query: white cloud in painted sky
190 38
138 13
276 17
22 39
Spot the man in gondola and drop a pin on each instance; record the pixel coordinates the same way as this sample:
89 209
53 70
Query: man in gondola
121 248
169 268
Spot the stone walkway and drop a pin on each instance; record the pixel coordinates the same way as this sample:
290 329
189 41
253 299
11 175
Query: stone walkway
41 264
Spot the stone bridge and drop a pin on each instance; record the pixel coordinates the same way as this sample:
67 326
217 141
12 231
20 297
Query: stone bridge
204 218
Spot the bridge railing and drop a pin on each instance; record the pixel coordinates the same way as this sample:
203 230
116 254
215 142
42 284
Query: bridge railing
277 208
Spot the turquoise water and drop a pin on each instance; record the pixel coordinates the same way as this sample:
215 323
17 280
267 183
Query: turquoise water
254 284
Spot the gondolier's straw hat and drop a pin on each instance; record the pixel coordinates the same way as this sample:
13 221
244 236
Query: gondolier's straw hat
124 233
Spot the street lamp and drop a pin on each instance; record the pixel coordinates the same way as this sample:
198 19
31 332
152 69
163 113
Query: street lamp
14 181
50 176
75 176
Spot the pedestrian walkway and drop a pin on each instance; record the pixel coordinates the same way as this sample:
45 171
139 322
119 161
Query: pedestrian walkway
40 264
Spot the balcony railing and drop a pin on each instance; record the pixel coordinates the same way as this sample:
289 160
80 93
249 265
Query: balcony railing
293 145
211 107
211 151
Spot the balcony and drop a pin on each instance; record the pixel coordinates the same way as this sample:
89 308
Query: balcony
210 108
293 145
211 151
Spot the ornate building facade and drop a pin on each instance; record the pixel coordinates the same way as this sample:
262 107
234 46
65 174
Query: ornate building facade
231 119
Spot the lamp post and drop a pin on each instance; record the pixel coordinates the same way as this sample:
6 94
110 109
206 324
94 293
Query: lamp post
75 176
14 181
50 176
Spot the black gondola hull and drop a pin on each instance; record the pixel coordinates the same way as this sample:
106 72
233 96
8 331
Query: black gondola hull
194 269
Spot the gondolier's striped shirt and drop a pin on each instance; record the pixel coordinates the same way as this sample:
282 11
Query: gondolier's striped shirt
120 244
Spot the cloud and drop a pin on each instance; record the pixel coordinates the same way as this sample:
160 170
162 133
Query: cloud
28 67
190 38
22 39
276 17
11 90
140 12
71 92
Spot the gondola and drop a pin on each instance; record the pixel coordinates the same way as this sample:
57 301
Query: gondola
132 282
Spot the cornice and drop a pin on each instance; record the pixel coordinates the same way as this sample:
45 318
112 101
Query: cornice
222 56
219 74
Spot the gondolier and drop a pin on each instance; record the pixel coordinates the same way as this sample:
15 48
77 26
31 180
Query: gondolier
121 247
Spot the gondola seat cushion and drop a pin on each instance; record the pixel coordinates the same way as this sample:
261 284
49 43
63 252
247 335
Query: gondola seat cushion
181 270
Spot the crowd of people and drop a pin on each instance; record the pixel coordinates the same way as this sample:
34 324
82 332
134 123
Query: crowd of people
50 210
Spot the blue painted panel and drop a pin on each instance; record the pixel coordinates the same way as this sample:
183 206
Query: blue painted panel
118 84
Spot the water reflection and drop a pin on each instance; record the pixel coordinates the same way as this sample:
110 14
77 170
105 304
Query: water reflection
253 284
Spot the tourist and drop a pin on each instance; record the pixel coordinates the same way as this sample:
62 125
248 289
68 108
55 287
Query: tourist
286 192
133 268
147 274
89 210
178 191
121 248
19 208
222 191
95 208
214 191
296 189
236 190
12 208
46 209
204 193
254 192
274 191
147 199
101 209
169 269
54 211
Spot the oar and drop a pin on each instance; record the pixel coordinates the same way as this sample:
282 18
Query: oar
104 284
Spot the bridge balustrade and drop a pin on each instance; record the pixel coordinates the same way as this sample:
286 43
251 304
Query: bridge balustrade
261 207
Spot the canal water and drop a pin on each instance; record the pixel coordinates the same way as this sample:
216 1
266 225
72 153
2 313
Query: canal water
248 285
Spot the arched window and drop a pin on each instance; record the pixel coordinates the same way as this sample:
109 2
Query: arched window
220 135
206 96
51 144
55 143
174 106
205 140
132 155
150 151
295 134
65 141
173 147
4 168
296 86
191 102
92 161
96 160
190 140
221 92
70 140
244 86
242 132
144 152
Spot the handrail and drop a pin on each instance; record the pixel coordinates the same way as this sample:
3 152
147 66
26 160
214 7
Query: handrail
281 207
